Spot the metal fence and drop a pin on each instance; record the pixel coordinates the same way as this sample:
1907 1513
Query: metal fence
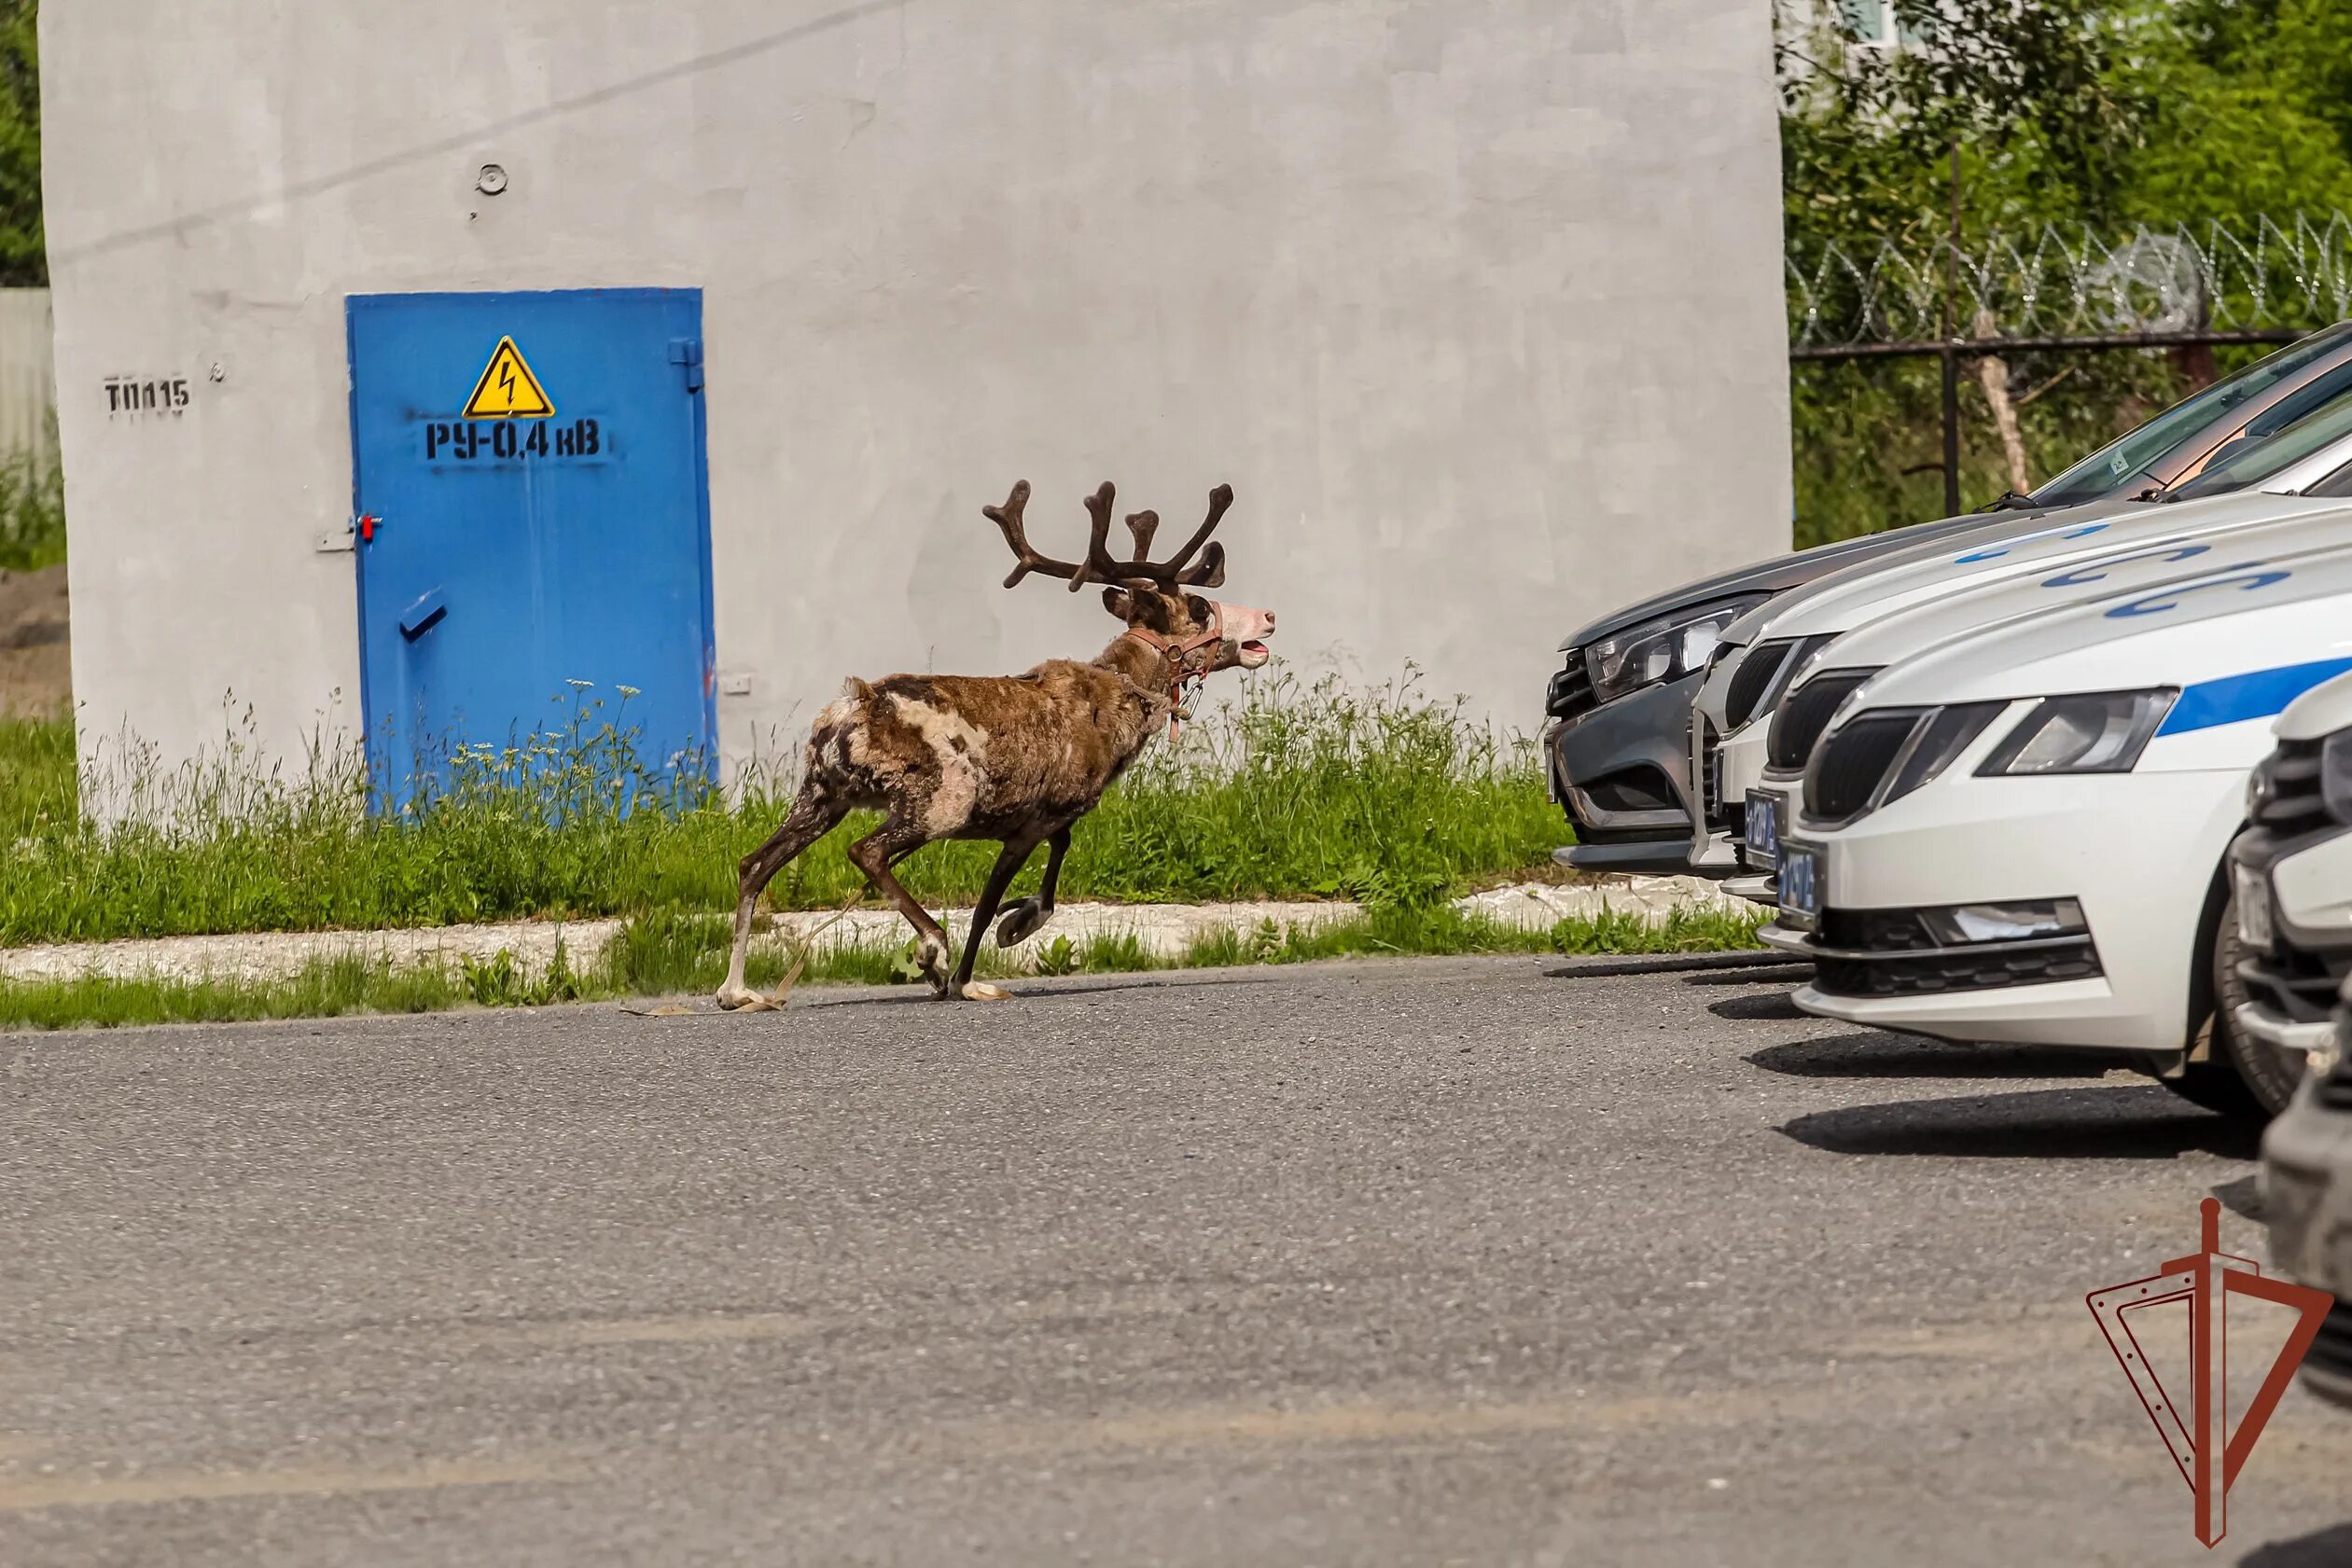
2254 281
28 376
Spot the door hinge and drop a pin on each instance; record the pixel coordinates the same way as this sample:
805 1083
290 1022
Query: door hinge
686 353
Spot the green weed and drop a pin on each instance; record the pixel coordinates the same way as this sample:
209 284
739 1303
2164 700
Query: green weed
673 954
31 511
1287 791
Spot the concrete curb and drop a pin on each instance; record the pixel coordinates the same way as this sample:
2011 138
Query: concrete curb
1164 930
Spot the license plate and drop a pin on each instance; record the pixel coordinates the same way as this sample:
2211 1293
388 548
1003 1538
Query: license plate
1761 828
2254 924
1800 885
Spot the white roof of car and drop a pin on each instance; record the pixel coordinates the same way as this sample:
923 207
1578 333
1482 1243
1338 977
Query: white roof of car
1843 600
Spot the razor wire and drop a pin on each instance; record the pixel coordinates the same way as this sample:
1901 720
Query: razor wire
2056 282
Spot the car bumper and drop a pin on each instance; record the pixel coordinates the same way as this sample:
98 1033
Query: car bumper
2307 1205
2138 851
1621 771
2292 978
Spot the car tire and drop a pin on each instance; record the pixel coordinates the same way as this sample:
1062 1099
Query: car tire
2239 1074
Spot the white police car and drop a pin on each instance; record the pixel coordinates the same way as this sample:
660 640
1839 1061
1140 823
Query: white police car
2017 834
1768 653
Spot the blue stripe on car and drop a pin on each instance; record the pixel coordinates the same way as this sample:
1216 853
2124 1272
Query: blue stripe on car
2255 694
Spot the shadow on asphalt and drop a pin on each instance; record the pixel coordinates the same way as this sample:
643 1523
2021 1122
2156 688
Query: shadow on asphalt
1772 1005
2244 1198
2107 1123
1758 974
1736 968
2331 1547
1032 989
1868 1054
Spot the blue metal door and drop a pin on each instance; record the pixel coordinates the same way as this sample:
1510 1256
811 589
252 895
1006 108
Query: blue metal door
532 506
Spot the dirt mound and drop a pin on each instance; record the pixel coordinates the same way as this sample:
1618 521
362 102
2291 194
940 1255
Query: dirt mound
36 662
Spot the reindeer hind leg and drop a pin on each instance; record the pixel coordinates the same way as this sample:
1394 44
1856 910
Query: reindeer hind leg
815 812
897 838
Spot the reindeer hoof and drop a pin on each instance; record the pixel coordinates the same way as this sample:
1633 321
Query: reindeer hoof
981 991
1020 924
738 999
931 957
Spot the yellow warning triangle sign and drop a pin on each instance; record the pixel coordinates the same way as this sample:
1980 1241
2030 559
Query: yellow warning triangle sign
508 389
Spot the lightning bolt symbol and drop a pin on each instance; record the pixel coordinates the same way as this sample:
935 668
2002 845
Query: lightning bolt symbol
506 380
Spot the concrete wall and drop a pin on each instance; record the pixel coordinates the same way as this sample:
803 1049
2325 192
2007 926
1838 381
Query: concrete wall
1478 306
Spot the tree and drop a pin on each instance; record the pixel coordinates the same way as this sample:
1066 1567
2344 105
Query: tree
23 253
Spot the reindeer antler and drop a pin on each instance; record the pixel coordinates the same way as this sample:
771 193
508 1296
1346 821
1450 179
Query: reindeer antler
1142 525
1008 518
1099 564
1210 573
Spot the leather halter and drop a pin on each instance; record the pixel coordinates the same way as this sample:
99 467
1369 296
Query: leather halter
1174 652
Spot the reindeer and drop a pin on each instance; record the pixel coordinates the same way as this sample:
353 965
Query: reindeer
1013 758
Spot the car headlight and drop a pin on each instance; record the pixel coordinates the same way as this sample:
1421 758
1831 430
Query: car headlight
1659 650
1941 739
2335 775
2091 732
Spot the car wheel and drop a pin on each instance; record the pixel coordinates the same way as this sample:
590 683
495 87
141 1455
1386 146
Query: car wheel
2238 1075
2270 1072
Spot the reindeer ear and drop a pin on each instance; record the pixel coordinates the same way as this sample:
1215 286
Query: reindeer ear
1119 602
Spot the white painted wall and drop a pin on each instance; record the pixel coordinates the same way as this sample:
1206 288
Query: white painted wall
1477 306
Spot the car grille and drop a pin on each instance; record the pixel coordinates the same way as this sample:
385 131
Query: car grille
1804 714
2296 981
1710 749
1848 767
1955 969
1875 930
1570 693
2293 804
2332 1352
1754 677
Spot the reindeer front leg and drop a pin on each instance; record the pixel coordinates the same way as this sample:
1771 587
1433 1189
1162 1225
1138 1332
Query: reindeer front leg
1022 919
1009 861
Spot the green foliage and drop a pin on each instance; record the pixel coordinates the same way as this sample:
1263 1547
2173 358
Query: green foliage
1285 793
32 513
2072 113
23 254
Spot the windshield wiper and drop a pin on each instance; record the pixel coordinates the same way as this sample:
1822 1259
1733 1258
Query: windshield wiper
2011 501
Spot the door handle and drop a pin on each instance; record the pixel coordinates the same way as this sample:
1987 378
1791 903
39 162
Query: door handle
423 615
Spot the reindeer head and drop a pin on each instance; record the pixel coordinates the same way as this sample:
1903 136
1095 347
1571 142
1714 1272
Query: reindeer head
1199 635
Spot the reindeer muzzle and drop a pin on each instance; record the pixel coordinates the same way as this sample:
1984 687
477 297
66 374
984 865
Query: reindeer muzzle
1247 630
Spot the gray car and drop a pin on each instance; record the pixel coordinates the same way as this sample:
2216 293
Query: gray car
1617 744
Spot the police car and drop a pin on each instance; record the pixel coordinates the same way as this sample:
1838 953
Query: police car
2291 870
1767 655
2017 834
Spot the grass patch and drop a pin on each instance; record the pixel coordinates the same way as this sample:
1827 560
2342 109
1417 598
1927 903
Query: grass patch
675 954
31 511
1285 792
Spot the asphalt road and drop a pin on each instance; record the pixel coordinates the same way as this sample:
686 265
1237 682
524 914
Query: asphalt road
1417 1263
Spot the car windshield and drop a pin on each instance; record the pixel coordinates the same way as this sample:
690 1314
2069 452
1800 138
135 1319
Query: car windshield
2314 418
2121 463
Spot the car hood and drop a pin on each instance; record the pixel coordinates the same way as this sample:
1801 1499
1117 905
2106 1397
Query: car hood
2243 639
2150 545
1842 600
2322 710
1775 575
